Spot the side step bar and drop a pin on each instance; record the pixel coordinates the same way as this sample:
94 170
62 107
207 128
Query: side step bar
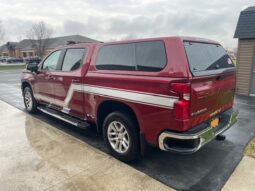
64 117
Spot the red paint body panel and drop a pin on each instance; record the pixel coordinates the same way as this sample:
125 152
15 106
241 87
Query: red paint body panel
152 120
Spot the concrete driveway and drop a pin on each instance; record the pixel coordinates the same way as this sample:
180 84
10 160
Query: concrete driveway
37 156
207 169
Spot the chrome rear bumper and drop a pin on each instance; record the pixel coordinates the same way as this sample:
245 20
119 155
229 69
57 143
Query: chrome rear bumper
192 142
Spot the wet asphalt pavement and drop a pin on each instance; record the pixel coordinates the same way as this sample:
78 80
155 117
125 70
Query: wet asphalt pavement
208 169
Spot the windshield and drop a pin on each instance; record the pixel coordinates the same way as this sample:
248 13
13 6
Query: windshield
206 57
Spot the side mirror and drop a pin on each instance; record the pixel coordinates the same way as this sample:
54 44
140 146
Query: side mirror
33 67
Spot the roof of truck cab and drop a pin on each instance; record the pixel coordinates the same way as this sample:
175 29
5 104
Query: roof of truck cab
79 45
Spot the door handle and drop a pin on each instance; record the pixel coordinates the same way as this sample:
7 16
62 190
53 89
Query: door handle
49 77
220 78
75 81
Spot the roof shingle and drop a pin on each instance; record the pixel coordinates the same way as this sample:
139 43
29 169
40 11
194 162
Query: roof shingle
52 43
245 28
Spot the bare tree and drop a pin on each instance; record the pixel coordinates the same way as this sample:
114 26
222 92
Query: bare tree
2 34
39 35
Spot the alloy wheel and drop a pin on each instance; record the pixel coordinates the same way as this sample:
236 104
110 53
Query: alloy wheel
28 100
118 137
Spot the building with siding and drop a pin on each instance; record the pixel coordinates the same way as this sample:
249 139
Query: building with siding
245 32
25 48
8 49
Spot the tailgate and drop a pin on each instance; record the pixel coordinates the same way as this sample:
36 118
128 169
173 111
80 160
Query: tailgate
213 94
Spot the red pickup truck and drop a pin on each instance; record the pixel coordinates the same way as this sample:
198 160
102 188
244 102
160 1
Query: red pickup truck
175 93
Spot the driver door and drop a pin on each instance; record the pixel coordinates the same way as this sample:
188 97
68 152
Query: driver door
44 88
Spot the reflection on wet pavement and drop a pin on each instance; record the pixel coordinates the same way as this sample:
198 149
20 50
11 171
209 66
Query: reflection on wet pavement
36 156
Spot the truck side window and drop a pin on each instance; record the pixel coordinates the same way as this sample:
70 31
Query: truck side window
150 56
52 61
138 56
73 59
116 57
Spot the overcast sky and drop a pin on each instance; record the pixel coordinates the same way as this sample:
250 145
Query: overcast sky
107 20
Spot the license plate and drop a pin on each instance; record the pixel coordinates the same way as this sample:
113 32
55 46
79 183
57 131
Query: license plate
214 122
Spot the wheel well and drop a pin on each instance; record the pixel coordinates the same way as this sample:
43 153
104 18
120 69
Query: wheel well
110 106
24 85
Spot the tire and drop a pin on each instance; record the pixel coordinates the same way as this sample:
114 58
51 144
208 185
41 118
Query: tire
120 133
29 100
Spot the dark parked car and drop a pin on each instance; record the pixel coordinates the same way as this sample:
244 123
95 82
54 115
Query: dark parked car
3 58
30 60
14 60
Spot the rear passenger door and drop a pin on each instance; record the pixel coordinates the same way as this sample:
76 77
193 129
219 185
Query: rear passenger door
68 82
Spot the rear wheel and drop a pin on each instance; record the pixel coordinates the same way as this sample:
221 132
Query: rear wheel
121 136
29 100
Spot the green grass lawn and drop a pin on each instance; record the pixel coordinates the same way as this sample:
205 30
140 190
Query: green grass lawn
234 60
250 149
12 67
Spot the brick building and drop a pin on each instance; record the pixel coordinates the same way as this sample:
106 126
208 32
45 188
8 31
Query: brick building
25 47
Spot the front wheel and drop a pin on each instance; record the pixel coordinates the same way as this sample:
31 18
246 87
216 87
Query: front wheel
29 100
121 136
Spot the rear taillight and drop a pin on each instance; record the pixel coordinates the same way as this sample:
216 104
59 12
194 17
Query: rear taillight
182 110
182 106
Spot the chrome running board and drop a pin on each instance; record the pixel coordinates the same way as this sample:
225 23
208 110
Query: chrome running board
64 117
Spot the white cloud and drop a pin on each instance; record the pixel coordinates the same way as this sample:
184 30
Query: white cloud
115 19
